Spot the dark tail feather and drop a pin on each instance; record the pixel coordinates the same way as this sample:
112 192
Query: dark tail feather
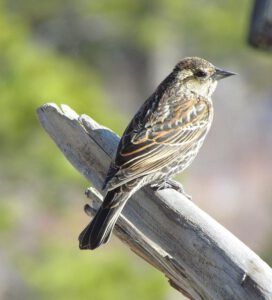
99 230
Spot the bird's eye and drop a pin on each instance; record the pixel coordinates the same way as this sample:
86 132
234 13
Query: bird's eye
200 74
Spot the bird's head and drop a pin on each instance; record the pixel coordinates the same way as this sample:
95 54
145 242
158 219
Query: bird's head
199 76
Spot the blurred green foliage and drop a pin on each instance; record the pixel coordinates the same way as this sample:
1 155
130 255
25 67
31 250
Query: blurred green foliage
6 216
150 22
31 75
66 273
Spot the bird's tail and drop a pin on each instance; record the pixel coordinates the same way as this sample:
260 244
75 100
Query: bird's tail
99 230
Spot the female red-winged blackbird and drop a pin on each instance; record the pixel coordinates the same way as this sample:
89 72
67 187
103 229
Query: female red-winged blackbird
162 139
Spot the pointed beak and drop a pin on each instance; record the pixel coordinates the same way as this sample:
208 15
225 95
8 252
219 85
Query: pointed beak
220 74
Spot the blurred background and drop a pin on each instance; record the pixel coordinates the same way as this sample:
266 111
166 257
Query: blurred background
109 55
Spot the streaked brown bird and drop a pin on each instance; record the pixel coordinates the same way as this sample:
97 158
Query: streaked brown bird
162 139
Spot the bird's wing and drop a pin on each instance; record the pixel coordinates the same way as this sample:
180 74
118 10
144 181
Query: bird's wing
153 145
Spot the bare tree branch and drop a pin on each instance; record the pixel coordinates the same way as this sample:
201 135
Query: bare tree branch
200 258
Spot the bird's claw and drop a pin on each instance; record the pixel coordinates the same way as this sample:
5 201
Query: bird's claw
170 184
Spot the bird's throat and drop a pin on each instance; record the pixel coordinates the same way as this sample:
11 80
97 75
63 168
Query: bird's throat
204 89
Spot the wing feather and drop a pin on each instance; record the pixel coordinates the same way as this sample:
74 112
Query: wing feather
155 144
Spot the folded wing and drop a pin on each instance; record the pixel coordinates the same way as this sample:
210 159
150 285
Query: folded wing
150 146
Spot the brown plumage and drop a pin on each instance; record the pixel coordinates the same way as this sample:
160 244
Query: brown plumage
161 140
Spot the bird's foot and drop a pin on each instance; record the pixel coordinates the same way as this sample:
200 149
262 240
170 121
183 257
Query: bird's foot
170 184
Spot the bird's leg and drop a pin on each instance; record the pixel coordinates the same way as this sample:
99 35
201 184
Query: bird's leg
169 184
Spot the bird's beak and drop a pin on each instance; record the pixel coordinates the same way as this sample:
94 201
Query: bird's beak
220 74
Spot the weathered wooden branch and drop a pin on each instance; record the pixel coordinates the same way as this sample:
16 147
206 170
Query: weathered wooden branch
260 34
200 258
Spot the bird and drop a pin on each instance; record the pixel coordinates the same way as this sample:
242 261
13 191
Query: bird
162 139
